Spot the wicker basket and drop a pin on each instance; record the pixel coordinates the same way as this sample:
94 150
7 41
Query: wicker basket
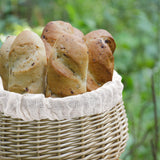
89 126
101 136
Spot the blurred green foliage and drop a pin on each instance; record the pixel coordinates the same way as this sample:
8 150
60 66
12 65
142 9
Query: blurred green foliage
135 25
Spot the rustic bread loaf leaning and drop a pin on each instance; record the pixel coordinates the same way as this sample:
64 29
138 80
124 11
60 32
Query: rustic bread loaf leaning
101 46
4 57
27 64
68 60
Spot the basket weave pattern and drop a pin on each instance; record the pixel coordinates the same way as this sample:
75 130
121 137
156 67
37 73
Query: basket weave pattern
101 136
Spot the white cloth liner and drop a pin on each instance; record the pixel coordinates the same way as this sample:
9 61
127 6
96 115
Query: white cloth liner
31 107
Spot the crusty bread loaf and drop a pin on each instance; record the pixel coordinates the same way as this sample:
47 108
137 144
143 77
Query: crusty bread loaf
67 59
4 54
101 46
27 64
67 67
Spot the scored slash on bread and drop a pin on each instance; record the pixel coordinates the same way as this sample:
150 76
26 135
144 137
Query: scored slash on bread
67 59
27 64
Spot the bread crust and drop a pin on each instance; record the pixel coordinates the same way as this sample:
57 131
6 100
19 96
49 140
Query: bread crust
101 46
4 58
104 35
27 64
53 29
67 67
67 59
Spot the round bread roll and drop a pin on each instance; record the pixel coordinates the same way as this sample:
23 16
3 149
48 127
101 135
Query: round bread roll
27 64
67 67
101 46
4 58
